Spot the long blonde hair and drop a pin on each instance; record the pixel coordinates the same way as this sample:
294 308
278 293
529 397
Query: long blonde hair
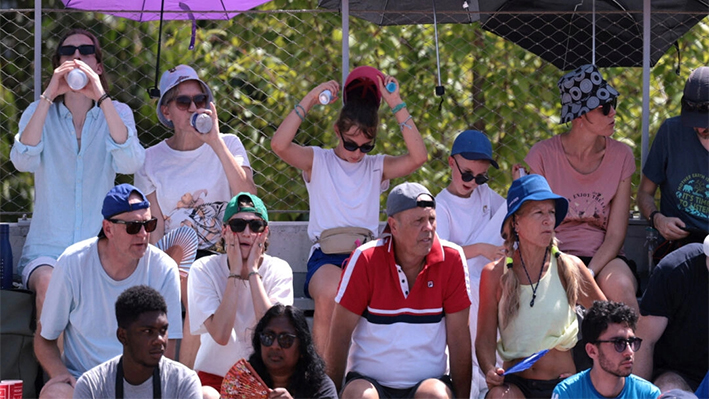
509 300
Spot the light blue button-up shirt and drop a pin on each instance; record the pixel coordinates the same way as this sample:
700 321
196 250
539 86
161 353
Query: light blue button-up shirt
70 182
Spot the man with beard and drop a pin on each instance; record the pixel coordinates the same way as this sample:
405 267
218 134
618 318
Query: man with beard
401 300
87 280
609 332
141 371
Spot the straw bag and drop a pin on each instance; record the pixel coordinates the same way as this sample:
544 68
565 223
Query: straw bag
343 240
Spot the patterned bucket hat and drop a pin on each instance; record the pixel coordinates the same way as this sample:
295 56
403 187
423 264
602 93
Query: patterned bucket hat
583 90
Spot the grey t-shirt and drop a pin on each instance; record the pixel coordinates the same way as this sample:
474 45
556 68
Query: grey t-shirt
176 381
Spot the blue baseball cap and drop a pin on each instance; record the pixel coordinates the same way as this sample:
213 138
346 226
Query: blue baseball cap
533 188
116 201
474 145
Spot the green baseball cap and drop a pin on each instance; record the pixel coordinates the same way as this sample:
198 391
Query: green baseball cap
233 207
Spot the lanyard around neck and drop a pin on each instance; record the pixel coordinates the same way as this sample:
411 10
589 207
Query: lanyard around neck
119 381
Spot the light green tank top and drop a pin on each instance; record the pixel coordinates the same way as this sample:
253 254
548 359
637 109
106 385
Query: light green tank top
550 323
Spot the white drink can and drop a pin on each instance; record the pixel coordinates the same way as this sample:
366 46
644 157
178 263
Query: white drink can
201 122
77 79
325 97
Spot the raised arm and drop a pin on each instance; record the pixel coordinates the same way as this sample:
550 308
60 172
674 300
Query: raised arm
458 339
669 227
416 155
282 142
341 328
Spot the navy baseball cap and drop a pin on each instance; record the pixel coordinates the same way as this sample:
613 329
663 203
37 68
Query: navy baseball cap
695 101
533 188
116 202
474 145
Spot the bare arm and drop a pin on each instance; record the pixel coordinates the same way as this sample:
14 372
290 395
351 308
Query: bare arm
615 230
491 252
48 355
486 340
341 328
171 349
650 329
416 155
589 290
669 227
156 212
282 142
259 297
458 339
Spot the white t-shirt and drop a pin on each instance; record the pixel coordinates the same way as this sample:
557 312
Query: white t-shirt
205 290
471 220
344 194
191 186
176 381
81 302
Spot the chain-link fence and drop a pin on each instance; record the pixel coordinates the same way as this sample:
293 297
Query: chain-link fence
260 63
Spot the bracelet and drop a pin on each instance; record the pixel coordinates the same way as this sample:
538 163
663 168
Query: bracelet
248 276
101 99
402 124
651 219
302 117
398 108
47 99
236 276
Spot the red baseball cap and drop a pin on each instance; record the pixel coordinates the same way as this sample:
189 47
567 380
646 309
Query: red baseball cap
362 81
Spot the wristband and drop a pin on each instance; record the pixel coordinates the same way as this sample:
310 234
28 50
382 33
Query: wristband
398 108
101 99
47 99
651 219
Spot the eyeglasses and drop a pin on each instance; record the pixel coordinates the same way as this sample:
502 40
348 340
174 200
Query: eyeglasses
695 106
468 176
621 343
239 225
285 340
352 146
183 102
84 49
134 226
607 106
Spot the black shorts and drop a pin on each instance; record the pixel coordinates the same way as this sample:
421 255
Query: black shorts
394 393
533 388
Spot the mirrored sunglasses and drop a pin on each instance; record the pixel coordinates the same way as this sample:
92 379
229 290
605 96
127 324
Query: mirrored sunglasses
183 102
619 344
482 178
607 106
285 340
239 225
134 226
84 49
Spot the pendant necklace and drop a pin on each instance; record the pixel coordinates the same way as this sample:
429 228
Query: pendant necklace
534 289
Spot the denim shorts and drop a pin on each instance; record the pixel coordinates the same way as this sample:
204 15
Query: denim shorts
319 258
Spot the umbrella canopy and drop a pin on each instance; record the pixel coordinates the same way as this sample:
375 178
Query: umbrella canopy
154 10
149 10
408 12
561 31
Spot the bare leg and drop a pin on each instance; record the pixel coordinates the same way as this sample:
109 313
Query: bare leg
323 288
618 284
190 343
360 389
433 388
506 391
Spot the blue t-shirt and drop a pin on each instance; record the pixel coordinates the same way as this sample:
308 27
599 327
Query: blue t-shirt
580 386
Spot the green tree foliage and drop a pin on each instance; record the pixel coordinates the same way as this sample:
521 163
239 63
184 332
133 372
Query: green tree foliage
260 64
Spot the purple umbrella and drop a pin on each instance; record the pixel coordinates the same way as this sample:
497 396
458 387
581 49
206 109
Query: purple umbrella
152 10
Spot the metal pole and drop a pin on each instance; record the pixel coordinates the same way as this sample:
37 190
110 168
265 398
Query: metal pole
645 142
440 90
593 33
37 49
345 41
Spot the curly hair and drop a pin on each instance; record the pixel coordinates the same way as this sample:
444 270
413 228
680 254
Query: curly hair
135 301
509 300
603 313
309 373
99 54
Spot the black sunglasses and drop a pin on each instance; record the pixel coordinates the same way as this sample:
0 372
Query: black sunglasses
239 225
621 343
352 146
285 340
693 106
183 102
134 226
607 106
468 176
84 49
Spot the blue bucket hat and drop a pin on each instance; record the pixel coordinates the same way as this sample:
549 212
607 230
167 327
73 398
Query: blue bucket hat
533 188
474 145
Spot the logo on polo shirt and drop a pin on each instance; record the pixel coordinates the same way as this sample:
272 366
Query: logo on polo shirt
430 284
